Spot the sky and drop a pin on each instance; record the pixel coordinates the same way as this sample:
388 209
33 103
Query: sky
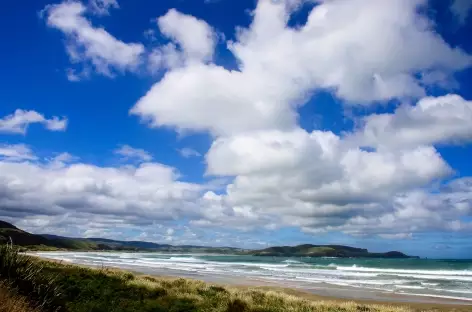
240 123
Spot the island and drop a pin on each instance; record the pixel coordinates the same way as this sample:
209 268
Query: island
338 251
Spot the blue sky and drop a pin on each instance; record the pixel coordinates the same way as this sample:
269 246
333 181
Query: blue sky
240 123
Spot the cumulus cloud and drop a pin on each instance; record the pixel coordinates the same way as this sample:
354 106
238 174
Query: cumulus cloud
143 194
418 212
362 51
89 46
433 120
194 39
316 180
128 152
19 121
386 178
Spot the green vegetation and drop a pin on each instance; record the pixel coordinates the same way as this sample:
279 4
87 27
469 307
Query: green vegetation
339 251
57 287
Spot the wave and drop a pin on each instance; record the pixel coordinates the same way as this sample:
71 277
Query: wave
186 259
406 271
440 283
441 296
455 291
409 287
293 261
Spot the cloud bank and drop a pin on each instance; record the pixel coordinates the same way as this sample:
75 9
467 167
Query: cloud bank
383 178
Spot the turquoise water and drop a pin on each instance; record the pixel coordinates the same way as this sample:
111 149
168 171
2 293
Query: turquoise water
421 277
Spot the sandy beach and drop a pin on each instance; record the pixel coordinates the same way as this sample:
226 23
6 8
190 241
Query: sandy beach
324 292
321 291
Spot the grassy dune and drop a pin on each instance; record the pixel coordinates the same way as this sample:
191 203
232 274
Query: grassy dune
58 287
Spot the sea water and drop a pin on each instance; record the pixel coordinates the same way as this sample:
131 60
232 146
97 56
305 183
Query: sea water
422 277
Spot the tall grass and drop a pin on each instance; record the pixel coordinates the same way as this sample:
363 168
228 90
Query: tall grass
25 274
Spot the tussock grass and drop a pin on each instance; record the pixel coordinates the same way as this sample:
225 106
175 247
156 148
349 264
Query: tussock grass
25 274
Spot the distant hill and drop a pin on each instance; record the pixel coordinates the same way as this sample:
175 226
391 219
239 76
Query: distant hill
339 251
106 244
9 232
134 244
54 242
6 225
111 244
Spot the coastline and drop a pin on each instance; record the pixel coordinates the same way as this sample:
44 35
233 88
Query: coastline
319 292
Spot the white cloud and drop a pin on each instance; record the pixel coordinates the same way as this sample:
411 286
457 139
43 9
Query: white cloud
461 9
267 151
102 7
323 162
213 99
16 152
61 160
187 152
64 157
311 180
193 42
433 120
73 76
397 236
56 124
195 37
129 152
363 51
90 46
19 121
418 212
318 181
130 195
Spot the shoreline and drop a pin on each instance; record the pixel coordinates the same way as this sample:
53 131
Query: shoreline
321 291
317 292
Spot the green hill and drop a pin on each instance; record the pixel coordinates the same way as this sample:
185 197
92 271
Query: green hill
339 251
10 233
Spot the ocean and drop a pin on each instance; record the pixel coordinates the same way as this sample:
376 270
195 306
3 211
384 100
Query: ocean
449 279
